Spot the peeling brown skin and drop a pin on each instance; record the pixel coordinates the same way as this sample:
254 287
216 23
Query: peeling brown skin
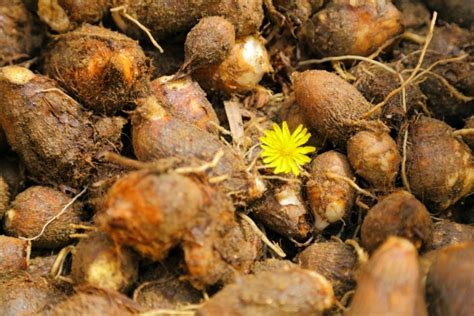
156 134
98 262
23 294
166 205
168 17
446 233
208 42
292 292
374 157
96 302
450 281
105 70
65 15
283 210
32 208
343 28
375 83
330 199
397 214
185 100
19 32
440 167
4 196
53 136
335 261
13 254
329 103
390 283
457 11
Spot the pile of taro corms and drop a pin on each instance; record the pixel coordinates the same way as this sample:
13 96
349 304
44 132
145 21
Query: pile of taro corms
237 157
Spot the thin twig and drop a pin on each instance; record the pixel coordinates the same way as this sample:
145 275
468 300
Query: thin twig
351 183
137 23
346 57
58 263
405 181
55 217
361 253
464 132
217 157
263 237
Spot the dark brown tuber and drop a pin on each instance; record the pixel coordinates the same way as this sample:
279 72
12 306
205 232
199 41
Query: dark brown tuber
22 294
335 261
397 214
208 42
330 196
352 27
33 208
98 262
291 292
105 70
446 233
52 134
283 210
375 157
330 104
390 283
440 167
450 281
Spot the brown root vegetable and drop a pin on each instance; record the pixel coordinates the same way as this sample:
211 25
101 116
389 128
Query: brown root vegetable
446 233
390 283
105 70
208 42
65 15
185 100
291 292
414 13
151 213
51 133
440 167
450 281
330 104
98 262
33 208
167 17
331 198
156 134
14 254
469 139
4 196
376 83
89 301
283 210
167 291
23 294
397 214
335 261
352 27
241 71
374 157
218 249
457 11
19 32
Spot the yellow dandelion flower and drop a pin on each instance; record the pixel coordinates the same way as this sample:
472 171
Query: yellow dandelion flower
282 150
